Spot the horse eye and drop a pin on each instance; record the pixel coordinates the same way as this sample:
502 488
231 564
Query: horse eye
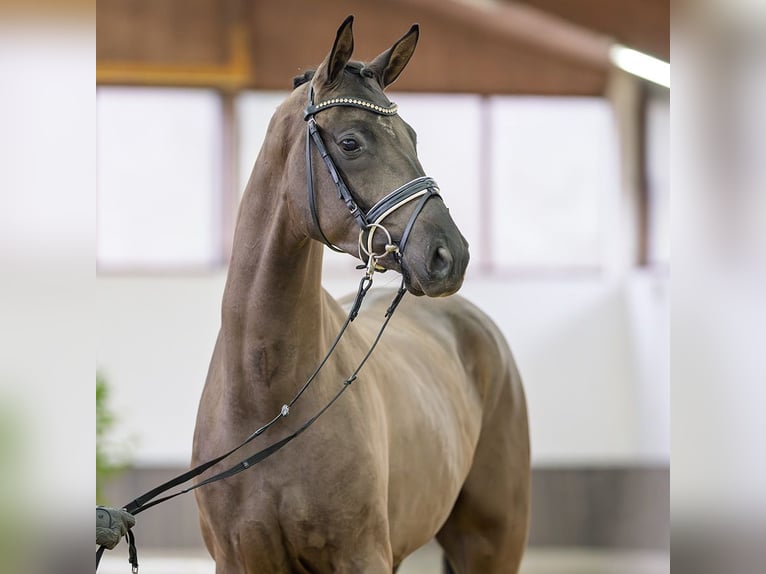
349 144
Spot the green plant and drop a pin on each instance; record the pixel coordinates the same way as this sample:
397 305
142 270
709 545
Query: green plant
107 463
14 501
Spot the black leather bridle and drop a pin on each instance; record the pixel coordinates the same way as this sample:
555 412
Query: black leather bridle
423 187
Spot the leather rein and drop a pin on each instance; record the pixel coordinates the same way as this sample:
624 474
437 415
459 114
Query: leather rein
423 188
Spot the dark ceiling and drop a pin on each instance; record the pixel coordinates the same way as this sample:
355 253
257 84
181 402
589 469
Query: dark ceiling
485 46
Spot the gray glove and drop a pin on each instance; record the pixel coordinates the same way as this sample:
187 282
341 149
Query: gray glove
111 525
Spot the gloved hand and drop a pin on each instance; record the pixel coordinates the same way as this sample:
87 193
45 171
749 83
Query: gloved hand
111 525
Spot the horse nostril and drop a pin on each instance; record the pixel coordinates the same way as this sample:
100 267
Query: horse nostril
441 263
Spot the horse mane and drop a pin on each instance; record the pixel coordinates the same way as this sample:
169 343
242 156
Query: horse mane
357 68
303 78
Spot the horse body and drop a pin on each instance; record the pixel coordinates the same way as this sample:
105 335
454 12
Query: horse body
431 440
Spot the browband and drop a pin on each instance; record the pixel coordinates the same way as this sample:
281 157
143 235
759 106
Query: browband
311 109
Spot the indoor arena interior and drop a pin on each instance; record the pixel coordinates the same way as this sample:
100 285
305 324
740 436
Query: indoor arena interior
546 125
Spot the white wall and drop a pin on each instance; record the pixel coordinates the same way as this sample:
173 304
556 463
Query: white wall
590 338
593 354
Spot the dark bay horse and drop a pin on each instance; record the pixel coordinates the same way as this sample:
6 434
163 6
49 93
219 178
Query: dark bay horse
431 440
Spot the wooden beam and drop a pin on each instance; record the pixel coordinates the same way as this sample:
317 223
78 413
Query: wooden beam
503 49
479 46
529 26
235 74
640 24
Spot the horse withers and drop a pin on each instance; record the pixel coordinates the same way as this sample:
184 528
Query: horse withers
431 440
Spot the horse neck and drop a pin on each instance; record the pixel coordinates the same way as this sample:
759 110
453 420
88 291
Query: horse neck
273 303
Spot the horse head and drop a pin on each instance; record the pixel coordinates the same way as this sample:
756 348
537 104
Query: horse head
363 153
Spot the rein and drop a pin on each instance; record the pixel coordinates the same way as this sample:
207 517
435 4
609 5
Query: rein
421 187
149 498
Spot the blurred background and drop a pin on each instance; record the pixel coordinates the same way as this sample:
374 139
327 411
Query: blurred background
547 129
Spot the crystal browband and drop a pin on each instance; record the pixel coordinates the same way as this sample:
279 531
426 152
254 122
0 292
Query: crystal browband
354 102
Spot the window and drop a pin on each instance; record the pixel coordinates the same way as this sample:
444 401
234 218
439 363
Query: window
254 111
554 164
449 148
529 180
159 178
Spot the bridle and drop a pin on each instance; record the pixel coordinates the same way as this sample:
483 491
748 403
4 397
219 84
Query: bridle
423 187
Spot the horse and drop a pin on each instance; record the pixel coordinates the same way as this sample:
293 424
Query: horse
432 439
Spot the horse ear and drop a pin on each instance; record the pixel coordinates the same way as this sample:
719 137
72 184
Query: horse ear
390 63
340 54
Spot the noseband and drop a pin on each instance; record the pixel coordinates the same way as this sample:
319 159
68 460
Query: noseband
421 187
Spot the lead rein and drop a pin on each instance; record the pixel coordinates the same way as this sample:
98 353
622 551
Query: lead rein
146 500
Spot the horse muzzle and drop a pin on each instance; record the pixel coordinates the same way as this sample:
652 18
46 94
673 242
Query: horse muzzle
439 270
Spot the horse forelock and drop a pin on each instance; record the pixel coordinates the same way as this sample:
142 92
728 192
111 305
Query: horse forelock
355 68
